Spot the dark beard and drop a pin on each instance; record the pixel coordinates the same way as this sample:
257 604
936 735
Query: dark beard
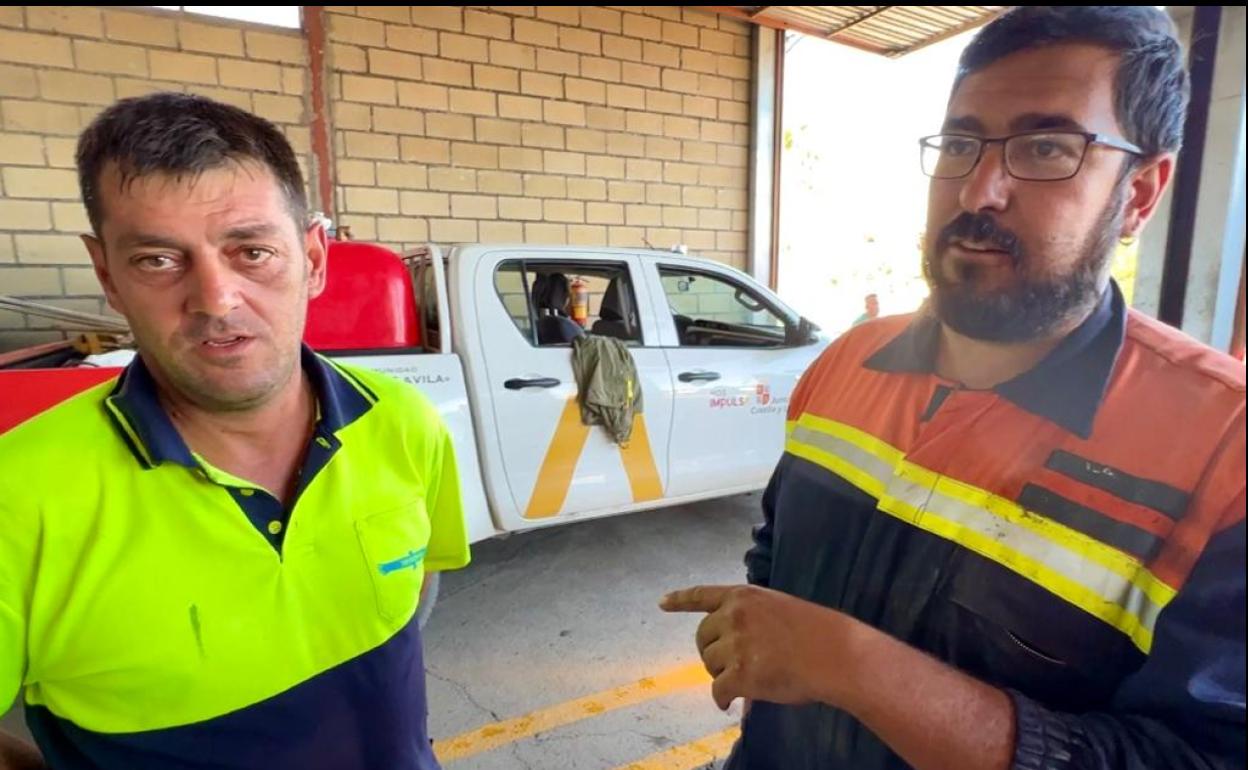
1035 308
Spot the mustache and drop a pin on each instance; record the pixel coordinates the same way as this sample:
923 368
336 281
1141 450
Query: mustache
981 228
202 328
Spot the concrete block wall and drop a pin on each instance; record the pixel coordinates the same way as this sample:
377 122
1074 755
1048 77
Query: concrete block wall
590 125
545 124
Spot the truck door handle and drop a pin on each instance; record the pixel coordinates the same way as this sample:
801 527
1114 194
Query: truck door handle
698 376
535 382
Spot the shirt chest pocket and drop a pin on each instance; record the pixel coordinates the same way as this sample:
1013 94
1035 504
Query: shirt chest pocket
394 543
1015 633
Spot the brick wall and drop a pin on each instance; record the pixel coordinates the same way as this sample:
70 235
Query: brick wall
59 66
580 125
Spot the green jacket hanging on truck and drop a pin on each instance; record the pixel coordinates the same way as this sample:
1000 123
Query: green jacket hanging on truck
607 386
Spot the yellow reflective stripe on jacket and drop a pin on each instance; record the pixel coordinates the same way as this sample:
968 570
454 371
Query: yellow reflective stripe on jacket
1099 579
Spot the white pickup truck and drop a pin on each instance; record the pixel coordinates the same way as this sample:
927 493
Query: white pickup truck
484 332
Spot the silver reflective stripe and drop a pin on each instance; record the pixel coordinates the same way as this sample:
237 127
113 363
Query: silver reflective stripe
860 458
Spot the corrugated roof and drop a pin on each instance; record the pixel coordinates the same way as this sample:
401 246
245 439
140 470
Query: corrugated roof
888 30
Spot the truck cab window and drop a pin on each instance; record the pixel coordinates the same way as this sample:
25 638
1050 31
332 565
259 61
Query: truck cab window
552 303
713 311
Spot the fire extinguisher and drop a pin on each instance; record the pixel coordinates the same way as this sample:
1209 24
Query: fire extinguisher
580 302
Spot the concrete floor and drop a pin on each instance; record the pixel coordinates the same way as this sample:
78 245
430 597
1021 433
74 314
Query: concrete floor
549 653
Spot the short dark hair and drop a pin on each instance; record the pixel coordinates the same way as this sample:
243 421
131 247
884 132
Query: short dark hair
182 134
1151 86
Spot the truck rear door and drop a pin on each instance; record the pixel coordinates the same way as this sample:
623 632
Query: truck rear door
553 467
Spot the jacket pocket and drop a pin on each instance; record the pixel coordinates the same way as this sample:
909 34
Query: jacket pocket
1013 633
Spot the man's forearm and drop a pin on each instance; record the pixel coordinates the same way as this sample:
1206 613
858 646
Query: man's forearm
16 754
932 715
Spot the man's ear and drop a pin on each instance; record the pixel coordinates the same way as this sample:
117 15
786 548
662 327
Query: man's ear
1147 184
316 252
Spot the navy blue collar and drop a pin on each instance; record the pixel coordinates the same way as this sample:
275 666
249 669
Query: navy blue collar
1066 387
135 408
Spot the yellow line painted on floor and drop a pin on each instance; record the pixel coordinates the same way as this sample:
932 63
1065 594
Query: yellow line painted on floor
497 734
689 755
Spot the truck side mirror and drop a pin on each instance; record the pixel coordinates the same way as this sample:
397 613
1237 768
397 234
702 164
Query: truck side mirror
800 333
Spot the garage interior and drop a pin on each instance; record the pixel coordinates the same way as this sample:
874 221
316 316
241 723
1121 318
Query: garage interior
622 126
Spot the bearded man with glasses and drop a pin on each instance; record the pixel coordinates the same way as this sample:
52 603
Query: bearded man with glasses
1008 531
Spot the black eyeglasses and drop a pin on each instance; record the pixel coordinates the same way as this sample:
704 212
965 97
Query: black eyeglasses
1050 156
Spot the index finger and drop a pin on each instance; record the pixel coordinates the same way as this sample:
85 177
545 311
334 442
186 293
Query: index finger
695 599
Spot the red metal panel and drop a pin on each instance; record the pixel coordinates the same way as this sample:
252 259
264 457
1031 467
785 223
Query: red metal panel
27 392
367 302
